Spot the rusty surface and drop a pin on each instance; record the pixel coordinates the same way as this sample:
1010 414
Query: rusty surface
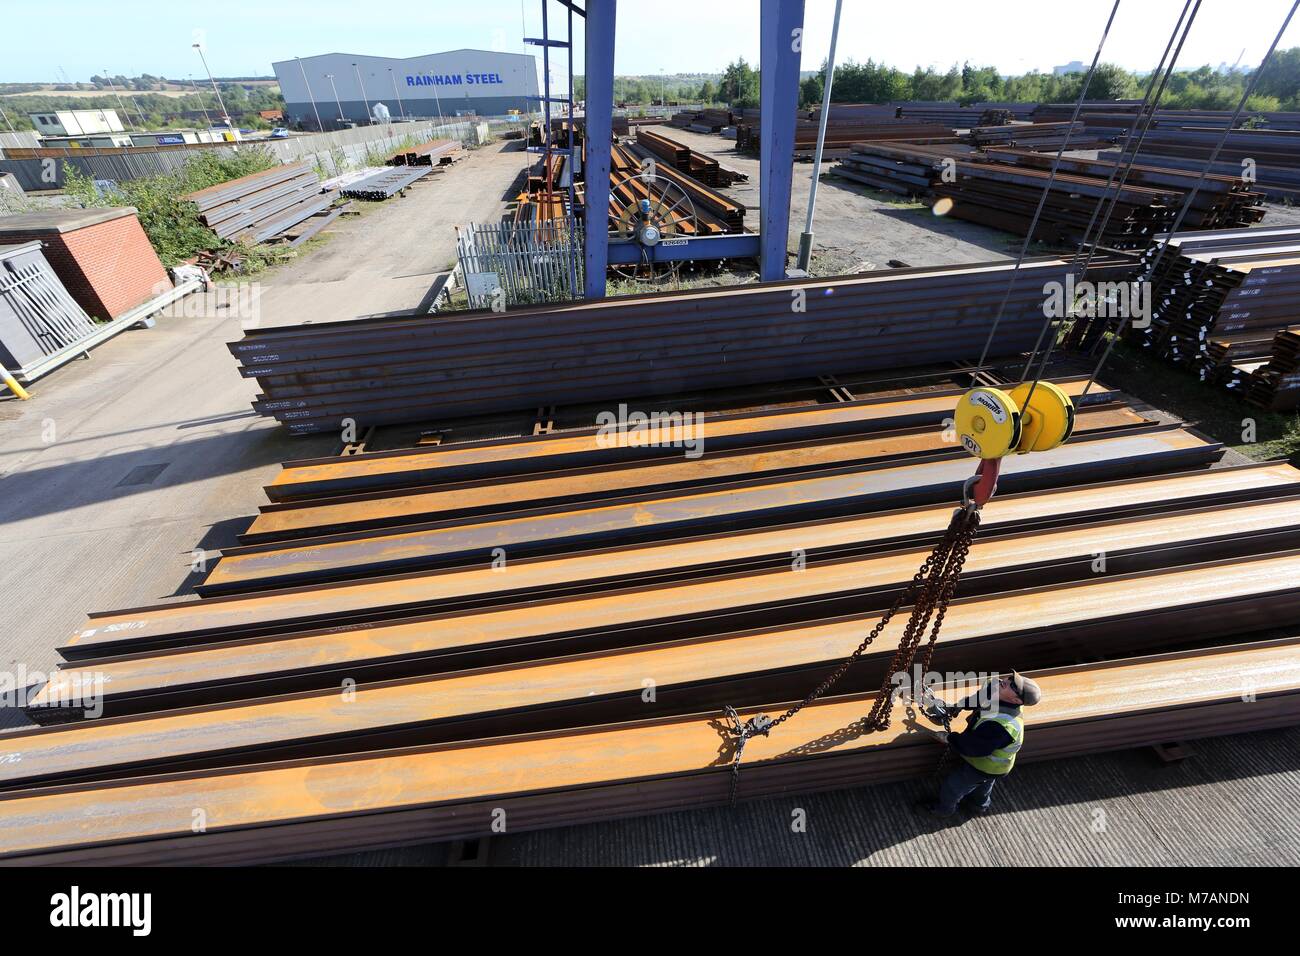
283 811
230 617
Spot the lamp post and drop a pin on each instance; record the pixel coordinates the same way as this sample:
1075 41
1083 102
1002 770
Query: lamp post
330 77
310 96
362 83
806 238
401 107
220 102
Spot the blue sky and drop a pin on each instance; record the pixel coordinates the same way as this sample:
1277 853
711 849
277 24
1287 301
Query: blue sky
46 41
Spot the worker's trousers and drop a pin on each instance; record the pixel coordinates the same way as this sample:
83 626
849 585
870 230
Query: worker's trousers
965 782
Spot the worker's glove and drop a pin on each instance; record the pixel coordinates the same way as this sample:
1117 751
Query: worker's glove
942 737
935 712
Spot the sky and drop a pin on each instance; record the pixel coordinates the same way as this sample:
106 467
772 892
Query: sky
243 37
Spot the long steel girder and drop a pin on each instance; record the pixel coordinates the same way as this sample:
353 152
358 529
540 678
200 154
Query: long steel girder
437 792
495 458
380 509
658 612
756 502
237 617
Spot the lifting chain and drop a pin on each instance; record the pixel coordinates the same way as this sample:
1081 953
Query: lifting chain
930 591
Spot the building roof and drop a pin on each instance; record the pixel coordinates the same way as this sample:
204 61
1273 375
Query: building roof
56 221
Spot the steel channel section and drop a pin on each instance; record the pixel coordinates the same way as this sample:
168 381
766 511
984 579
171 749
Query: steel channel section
834 491
134 630
278 811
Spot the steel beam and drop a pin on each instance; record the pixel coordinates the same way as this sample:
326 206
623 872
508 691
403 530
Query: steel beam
419 794
220 619
764 598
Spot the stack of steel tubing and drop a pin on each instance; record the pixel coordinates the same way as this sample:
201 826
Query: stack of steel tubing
477 689
417 368
435 152
261 205
385 184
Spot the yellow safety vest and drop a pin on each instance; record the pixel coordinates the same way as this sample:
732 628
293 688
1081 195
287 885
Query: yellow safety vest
1004 758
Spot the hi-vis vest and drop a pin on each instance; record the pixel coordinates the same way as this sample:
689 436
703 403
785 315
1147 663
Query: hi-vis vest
1004 758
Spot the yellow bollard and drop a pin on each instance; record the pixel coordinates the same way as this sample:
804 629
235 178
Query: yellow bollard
13 385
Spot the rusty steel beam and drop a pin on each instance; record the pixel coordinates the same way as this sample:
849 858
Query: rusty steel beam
749 503
495 458
309 807
658 612
135 630
416 369
1031 628
390 509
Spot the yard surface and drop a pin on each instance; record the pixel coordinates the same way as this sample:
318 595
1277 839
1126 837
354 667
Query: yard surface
124 464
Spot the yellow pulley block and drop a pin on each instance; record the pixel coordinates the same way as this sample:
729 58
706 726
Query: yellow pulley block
1049 419
987 421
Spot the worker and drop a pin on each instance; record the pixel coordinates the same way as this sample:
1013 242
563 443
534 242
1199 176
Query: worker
986 749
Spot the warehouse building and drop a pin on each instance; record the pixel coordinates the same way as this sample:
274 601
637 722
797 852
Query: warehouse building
346 86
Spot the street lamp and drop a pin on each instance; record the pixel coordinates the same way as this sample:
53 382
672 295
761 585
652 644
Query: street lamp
207 120
220 101
393 76
365 99
310 96
330 77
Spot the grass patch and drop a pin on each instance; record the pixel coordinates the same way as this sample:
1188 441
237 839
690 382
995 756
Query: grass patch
1213 410
171 223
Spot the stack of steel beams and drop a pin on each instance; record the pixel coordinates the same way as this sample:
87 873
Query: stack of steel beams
1224 305
293 809
1001 187
1038 137
474 682
715 213
385 184
1269 159
418 368
261 205
435 152
840 138
689 162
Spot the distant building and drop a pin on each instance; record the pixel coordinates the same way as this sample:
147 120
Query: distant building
1074 67
345 87
76 122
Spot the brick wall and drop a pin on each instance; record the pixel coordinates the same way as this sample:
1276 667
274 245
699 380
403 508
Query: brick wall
108 267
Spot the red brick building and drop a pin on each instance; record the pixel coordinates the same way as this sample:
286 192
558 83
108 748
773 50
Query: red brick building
102 256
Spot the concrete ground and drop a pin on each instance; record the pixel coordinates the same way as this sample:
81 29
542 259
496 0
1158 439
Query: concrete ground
124 463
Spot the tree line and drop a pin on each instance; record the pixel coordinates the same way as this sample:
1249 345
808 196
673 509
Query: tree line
871 82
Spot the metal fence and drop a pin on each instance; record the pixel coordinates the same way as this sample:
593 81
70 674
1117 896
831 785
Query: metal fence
329 152
529 262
